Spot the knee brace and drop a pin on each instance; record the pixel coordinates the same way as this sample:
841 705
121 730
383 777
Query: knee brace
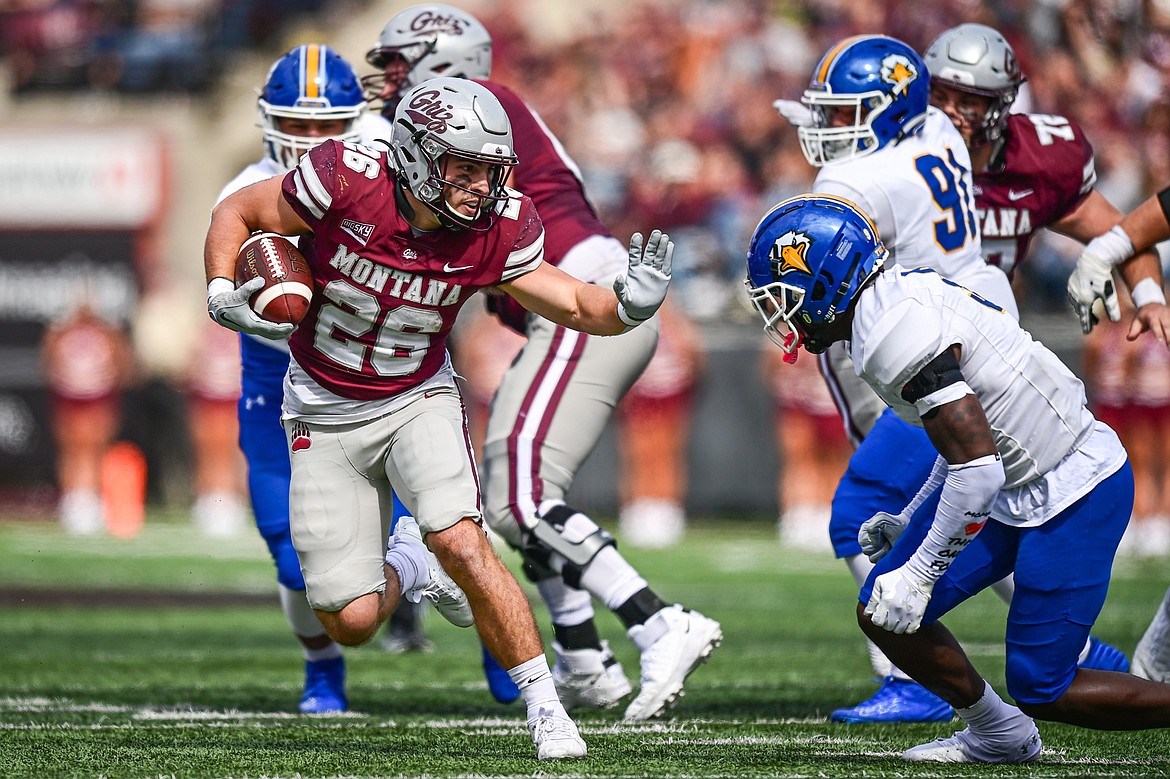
563 541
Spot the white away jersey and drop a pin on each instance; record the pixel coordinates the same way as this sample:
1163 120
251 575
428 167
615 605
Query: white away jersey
920 195
1034 404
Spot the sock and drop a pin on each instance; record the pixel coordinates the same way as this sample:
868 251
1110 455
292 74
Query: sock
409 561
992 719
640 607
316 655
1151 659
898 673
536 685
860 566
566 605
299 614
610 578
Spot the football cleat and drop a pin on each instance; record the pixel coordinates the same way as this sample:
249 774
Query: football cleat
499 682
440 589
897 700
1105 657
448 599
966 747
324 687
556 737
589 678
673 643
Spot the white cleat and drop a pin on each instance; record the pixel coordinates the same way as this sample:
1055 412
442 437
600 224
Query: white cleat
588 678
448 599
556 737
441 590
965 747
673 643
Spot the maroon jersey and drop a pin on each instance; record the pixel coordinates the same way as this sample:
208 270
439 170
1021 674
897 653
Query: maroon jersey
385 298
1040 175
552 180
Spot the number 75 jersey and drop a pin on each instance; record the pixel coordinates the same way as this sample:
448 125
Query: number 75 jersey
920 195
386 296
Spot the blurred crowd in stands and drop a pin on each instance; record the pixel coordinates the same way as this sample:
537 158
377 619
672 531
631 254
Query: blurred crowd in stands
667 105
135 46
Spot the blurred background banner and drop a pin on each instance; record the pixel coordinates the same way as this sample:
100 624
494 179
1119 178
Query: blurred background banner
75 207
108 178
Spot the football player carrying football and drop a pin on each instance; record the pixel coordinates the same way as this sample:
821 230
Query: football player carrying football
398 240
1026 480
556 399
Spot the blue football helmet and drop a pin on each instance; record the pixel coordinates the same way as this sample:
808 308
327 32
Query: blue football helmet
310 83
809 258
876 83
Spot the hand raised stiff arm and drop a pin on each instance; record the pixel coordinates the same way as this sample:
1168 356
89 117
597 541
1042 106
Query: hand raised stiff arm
642 288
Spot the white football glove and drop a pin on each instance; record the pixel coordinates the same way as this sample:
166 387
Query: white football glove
642 288
1092 279
878 534
796 112
899 601
228 305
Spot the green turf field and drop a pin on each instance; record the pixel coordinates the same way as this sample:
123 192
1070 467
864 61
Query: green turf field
167 656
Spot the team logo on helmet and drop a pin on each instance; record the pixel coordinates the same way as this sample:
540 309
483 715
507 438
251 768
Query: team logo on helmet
428 111
429 21
897 69
789 253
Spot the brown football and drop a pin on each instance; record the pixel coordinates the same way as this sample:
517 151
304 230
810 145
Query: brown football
288 282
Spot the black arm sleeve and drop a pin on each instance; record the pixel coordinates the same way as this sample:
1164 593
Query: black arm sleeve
940 372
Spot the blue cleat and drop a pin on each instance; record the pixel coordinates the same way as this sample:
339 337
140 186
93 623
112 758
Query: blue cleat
502 688
324 687
1105 657
898 700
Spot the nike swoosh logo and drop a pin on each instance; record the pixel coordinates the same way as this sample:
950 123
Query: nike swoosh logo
1014 196
449 268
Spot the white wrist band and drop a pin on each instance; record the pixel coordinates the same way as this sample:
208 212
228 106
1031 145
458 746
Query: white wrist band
219 285
1147 291
627 320
1114 247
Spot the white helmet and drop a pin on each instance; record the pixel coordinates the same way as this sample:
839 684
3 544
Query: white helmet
312 83
457 117
434 40
975 58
